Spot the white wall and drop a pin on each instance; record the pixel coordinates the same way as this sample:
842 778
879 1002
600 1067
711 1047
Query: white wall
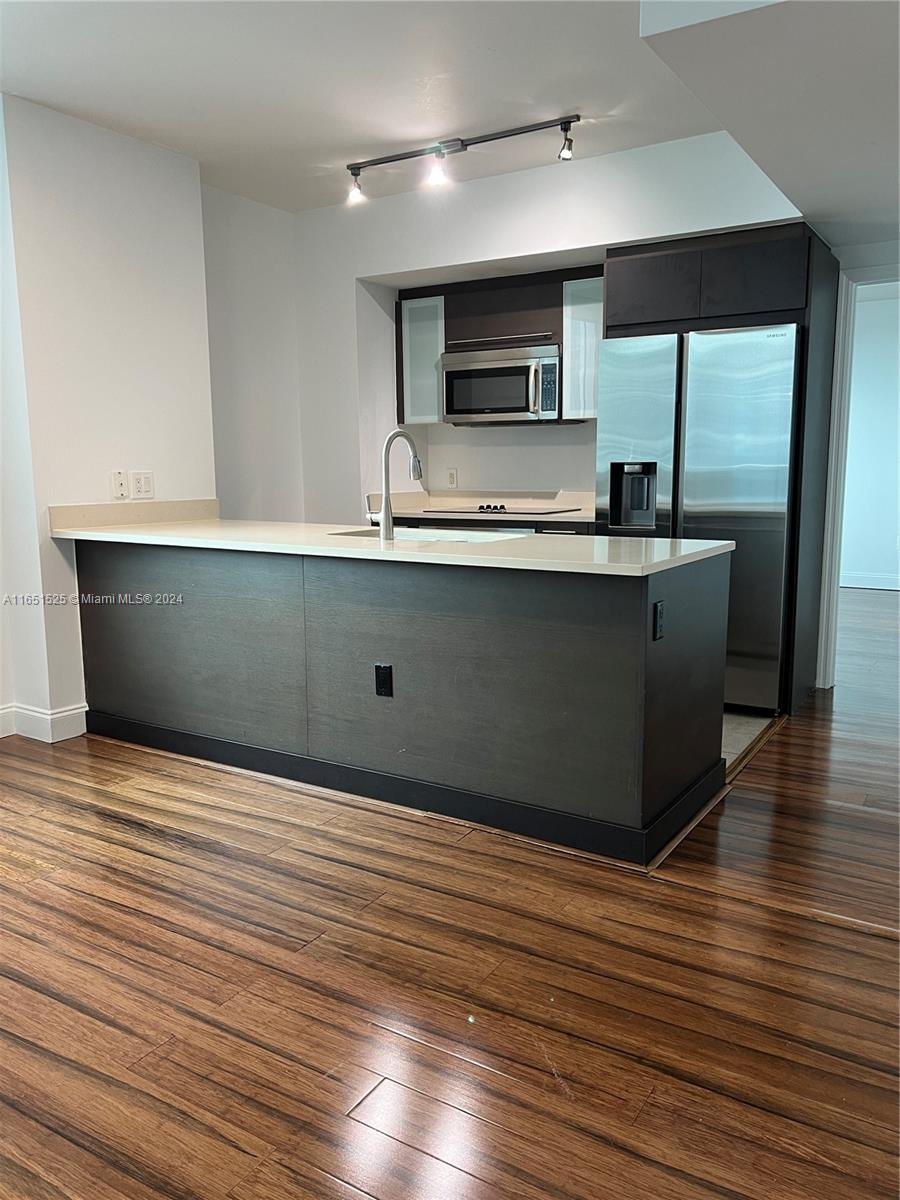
513 458
112 294
23 652
251 288
871 531
110 285
375 338
658 191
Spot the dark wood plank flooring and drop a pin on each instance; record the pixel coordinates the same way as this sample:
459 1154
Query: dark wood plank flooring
219 985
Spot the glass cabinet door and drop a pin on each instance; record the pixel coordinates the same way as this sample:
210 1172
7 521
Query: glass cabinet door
422 336
582 333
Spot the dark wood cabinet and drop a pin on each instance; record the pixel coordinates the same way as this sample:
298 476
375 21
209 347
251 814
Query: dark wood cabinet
486 314
514 314
701 281
755 277
652 287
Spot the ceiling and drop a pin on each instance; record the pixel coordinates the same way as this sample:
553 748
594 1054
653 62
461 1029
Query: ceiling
274 99
810 91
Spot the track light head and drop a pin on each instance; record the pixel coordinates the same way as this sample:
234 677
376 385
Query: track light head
437 175
356 194
565 151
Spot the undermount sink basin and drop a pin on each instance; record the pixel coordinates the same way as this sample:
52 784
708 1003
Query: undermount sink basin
434 535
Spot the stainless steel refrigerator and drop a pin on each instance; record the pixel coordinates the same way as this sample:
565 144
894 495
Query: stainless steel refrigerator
694 437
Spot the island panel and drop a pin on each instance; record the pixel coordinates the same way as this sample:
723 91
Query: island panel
684 678
521 685
532 701
229 661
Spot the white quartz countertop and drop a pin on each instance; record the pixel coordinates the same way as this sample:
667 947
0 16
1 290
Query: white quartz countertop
467 548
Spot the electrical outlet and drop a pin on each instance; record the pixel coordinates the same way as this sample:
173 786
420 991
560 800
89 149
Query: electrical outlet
118 485
384 679
452 477
659 620
141 485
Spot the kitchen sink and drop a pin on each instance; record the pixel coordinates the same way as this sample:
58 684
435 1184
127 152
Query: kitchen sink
435 535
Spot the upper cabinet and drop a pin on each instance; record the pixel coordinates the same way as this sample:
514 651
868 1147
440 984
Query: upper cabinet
648 288
713 278
754 277
420 347
483 315
582 333
553 308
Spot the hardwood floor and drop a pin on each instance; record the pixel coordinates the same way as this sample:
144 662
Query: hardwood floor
218 985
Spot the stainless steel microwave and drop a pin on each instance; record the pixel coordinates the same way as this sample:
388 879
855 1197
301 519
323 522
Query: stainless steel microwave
499 386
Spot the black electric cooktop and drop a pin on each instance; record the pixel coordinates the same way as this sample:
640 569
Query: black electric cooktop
512 510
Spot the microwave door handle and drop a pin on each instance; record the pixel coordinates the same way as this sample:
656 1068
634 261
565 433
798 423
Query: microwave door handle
533 375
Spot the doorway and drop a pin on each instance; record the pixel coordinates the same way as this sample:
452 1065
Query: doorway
870 532
862 534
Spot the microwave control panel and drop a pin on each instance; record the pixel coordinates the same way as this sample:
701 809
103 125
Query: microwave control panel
548 389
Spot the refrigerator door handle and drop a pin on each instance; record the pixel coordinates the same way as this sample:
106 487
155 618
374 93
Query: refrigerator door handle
679 438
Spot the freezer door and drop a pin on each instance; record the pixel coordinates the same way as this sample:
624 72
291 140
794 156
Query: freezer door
636 404
737 414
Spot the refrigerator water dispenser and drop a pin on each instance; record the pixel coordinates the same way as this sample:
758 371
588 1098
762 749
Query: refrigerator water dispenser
632 495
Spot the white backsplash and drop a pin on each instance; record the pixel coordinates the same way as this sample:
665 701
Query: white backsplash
515 458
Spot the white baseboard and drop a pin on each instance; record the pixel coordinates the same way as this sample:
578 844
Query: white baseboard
887 583
7 720
42 724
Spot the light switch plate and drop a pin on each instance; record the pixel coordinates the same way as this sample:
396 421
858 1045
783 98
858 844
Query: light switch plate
141 485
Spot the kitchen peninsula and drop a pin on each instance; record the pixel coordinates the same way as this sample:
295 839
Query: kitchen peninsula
567 688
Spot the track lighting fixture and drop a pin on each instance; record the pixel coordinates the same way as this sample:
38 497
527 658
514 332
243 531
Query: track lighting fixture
439 151
356 194
437 175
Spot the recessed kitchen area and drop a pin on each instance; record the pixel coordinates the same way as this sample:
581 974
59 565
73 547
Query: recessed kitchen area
663 389
448 600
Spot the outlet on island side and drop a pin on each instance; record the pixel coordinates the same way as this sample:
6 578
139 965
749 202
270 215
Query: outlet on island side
384 679
659 617
452 477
